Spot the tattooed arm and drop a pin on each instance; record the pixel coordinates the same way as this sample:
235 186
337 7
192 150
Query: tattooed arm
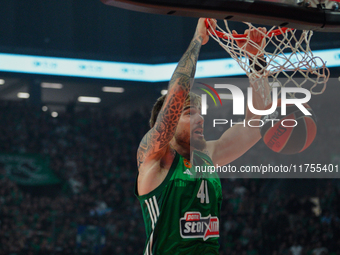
155 144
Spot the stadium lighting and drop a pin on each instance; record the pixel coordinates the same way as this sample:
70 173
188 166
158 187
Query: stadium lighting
164 92
89 99
54 114
44 108
2 81
23 95
49 85
113 89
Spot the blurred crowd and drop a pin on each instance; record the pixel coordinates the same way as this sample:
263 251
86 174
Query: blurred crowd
277 223
93 152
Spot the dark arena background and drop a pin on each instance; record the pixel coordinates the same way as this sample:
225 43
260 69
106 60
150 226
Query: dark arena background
69 137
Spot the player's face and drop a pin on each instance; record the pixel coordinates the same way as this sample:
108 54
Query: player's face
189 130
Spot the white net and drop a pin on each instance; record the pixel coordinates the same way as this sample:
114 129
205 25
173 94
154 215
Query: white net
285 53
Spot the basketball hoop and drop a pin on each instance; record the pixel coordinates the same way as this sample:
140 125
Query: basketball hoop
289 57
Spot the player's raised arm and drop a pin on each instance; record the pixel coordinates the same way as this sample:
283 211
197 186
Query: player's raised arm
238 139
155 143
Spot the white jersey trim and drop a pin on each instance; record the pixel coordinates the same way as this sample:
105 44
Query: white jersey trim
153 209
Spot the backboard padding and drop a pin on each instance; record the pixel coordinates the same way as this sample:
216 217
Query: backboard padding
273 13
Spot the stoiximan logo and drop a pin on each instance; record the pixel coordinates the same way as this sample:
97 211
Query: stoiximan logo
238 103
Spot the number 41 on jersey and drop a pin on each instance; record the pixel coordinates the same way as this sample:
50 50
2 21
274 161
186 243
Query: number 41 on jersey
202 193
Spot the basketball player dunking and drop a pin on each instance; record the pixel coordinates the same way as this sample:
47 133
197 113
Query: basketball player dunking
181 210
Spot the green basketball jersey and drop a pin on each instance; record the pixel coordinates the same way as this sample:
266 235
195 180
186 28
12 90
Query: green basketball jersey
181 215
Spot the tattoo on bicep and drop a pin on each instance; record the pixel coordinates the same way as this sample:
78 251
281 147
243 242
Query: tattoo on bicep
168 117
183 76
141 152
164 129
140 158
145 146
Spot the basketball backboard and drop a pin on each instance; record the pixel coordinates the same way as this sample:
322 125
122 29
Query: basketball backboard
321 16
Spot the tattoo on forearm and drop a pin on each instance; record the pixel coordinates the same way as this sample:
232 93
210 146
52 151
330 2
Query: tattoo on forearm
168 117
186 67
